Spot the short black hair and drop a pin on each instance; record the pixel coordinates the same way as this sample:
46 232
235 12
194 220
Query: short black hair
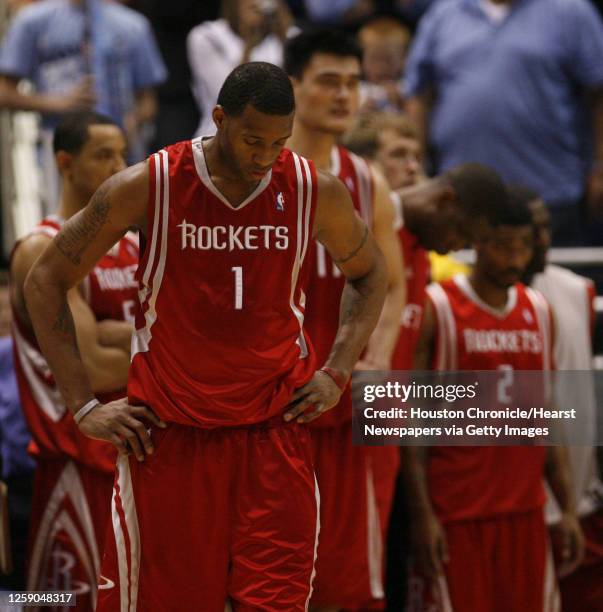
479 189
71 133
300 49
265 86
517 211
523 193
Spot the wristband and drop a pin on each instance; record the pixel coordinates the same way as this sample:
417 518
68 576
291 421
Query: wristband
85 409
338 378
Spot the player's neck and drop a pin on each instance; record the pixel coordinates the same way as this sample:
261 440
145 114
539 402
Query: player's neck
495 296
313 145
70 202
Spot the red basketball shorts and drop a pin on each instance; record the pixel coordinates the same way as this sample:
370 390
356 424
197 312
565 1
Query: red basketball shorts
71 508
501 564
211 516
583 590
356 486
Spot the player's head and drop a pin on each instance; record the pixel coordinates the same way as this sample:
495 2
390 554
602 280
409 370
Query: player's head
384 42
88 148
541 224
324 66
254 118
504 243
391 141
453 204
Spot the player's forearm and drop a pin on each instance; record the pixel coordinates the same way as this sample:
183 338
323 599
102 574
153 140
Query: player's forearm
414 473
115 334
361 303
383 340
558 477
107 368
52 320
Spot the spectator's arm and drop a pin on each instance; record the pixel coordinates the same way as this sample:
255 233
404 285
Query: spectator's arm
420 83
81 97
418 109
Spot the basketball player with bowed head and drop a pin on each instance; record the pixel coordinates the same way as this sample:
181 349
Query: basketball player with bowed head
220 485
480 539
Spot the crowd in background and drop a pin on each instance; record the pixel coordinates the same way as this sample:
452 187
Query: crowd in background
513 85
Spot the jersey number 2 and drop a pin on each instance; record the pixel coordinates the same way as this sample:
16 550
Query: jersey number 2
238 288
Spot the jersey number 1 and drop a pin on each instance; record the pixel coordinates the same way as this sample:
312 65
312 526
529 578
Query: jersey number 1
238 293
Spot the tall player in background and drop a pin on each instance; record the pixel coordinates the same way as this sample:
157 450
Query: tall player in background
74 474
572 299
223 487
324 67
478 524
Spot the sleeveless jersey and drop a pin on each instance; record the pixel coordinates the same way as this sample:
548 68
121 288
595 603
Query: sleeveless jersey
417 269
110 289
326 281
484 481
220 337
571 297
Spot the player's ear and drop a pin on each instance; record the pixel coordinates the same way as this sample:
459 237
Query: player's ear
64 162
219 116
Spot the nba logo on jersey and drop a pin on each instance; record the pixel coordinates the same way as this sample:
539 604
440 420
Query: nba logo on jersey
349 183
280 201
527 315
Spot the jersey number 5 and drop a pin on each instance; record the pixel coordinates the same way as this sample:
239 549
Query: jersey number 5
238 287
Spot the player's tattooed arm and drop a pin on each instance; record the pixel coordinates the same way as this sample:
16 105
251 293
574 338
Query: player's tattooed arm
117 205
352 246
355 251
78 236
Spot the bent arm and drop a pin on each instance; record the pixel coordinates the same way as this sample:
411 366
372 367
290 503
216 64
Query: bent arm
107 367
356 254
118 205
383 340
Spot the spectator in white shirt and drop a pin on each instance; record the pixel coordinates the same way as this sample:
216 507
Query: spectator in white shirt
249 31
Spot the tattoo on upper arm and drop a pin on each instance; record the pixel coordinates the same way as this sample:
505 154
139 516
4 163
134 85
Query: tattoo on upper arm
76 237
356 250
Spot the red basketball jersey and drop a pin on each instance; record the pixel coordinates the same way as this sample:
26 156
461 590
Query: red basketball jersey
417 269
478 482
220 337
110 289
326 281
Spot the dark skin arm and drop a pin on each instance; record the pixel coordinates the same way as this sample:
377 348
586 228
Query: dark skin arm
118 205
567 530
356 254
430 551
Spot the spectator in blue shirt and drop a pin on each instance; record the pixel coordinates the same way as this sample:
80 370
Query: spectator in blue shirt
516 85
82 54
